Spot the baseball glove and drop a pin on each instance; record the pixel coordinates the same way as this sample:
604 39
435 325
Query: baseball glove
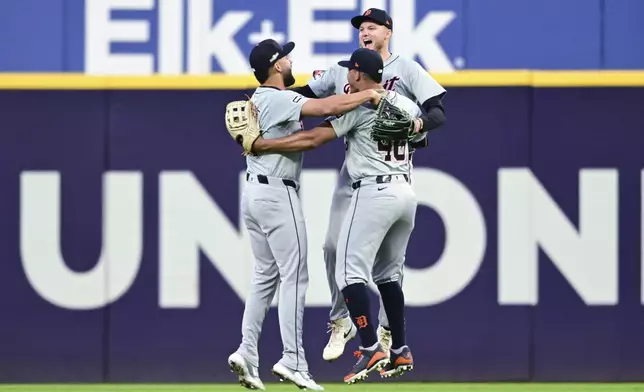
392 123
242 124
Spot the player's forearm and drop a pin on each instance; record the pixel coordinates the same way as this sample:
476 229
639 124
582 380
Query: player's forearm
433 114
340 104
432 120
296 142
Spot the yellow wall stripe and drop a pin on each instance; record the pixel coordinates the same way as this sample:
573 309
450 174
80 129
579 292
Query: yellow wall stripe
68 81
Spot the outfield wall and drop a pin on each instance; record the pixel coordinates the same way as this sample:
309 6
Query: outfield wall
501 283
196 37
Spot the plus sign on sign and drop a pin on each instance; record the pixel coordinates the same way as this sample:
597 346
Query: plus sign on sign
203 36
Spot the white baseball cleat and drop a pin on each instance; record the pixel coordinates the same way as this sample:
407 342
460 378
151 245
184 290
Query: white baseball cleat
248 375
302 380
384 338
342 331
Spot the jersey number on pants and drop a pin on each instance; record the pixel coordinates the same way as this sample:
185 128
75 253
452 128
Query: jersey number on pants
396 149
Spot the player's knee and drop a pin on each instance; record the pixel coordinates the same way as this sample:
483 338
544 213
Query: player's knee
343 281
383 278
388 285
292 274
381 281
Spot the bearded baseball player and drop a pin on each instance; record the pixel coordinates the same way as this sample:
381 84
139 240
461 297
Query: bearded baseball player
407 78
376 229
272 211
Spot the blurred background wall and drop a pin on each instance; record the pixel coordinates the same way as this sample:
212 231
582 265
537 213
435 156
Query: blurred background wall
179 36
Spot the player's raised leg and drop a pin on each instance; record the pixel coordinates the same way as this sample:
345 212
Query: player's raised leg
366 224
341 327
384 331
386 274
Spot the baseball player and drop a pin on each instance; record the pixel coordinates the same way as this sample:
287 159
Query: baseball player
376 228
273 216
407 78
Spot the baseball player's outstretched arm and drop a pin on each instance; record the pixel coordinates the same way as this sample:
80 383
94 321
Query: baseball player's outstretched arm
300 141
339 104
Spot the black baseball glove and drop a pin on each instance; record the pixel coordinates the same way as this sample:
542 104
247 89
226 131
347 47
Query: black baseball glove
392 123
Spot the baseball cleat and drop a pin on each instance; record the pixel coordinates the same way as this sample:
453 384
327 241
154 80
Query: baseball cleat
342 331
398 364
248 375
368 361
302 380
384 338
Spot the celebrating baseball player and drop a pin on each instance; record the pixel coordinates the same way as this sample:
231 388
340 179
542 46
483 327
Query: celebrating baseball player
407 78
376 229
272 212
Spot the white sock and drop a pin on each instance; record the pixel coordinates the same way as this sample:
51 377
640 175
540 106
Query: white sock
398 350
375 346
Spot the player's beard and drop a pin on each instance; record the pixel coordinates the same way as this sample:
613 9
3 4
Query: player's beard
288 78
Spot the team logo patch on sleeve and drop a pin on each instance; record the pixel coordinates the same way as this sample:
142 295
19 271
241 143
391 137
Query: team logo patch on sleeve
317 74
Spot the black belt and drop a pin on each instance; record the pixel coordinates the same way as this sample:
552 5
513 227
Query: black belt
262 179
381 180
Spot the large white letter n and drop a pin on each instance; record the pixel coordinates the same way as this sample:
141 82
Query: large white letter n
529 218
40 230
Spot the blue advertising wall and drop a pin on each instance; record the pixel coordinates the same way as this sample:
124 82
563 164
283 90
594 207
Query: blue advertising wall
151 179
169 36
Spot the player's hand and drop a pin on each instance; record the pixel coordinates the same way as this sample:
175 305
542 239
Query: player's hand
418 125
377 95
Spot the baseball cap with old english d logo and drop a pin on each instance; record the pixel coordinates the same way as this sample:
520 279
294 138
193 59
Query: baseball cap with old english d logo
265 54
375 15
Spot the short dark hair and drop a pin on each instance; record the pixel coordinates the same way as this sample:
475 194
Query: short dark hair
262 76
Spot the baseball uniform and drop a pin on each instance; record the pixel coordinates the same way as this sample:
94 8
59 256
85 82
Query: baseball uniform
377 226
273 216
406 78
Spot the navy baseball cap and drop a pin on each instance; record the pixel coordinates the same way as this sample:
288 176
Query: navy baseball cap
375 15
265 54
367 61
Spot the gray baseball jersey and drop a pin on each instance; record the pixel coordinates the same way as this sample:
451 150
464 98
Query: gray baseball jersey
273 216
400 74
279 115
365 157
407 78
